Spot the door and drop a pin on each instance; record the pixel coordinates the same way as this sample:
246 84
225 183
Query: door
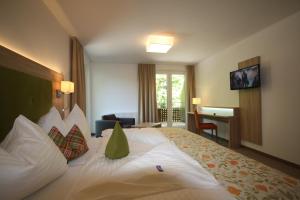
171 99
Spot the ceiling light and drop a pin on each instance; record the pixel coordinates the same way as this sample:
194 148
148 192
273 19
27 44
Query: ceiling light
159 44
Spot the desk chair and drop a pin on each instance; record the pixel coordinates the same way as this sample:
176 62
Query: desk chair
202 126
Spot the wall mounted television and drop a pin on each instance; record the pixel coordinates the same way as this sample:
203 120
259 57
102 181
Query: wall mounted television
245 78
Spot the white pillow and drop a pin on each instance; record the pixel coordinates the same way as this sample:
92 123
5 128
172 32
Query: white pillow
28 160
77 117
53 118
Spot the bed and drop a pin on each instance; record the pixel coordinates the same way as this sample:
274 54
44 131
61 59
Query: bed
135 177
193 158
192 166
243 177
30 90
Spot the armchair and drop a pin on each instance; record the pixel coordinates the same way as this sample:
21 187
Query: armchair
108 121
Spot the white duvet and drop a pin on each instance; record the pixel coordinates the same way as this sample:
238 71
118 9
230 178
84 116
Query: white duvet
93 176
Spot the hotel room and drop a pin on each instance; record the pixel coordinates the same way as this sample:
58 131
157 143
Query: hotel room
139 99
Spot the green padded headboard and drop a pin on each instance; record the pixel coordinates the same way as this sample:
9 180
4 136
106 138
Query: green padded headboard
27 88
22 94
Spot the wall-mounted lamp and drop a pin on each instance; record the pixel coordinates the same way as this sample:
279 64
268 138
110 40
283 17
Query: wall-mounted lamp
66 87
196 101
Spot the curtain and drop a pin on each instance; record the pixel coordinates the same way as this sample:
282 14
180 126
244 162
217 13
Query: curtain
77 74
191 91
147 93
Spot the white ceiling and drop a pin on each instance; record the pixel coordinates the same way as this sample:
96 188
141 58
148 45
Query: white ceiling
116 30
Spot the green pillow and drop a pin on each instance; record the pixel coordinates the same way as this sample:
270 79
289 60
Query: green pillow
117 146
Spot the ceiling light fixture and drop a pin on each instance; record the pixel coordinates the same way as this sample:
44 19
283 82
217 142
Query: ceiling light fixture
159 44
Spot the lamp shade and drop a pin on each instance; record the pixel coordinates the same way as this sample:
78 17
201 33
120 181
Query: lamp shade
67 87
196 101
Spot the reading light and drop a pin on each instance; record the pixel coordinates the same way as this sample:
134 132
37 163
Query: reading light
66 87
196 101
159 44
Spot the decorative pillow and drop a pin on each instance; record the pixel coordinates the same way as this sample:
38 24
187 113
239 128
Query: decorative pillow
62 143
117 146
51 119
73 145
28 160
77 117
110 117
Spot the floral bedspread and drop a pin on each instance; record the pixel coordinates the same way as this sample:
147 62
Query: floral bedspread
243 177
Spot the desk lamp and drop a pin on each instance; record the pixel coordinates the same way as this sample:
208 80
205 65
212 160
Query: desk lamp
196 101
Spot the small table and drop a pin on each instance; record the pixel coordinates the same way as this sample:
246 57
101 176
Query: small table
147 125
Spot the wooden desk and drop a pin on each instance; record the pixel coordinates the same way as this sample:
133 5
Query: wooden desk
233 121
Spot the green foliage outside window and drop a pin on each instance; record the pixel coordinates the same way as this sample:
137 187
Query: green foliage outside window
161 90
178 91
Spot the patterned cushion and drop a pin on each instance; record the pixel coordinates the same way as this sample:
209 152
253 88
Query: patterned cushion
61 142
109 117
78 144
73 145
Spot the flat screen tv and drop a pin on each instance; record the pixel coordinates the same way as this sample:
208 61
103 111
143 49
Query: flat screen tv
248 77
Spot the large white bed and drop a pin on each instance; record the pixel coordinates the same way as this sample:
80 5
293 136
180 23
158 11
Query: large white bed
32 167
93 176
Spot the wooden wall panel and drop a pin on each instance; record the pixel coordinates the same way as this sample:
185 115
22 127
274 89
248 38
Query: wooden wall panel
250 109
15 61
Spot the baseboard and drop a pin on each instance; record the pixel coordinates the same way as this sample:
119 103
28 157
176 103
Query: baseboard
273 157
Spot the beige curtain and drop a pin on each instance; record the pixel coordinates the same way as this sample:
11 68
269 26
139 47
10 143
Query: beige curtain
147 93
191 91
77 74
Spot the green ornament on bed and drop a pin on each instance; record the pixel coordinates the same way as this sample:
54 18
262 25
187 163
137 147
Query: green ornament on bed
117 146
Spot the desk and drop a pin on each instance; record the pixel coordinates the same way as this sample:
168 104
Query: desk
233 121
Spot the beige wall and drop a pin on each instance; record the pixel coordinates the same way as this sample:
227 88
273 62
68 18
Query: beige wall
114 89
171 68
279 47
28 28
